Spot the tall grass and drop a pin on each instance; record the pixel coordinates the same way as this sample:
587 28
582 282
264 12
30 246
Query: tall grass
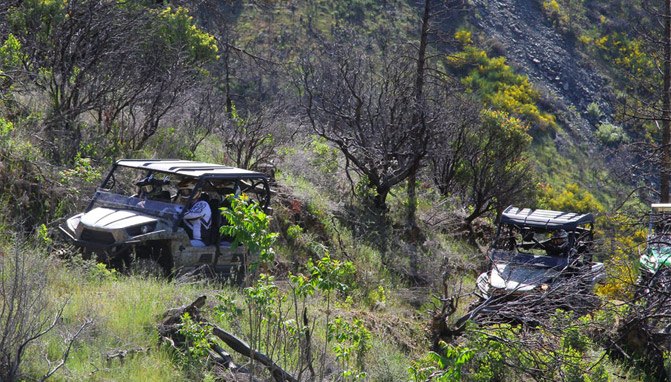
124 312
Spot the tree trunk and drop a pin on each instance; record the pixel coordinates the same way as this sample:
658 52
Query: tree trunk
411 221
412 230
666 108
380 200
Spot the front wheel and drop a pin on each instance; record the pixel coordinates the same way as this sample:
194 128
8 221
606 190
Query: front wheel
145 267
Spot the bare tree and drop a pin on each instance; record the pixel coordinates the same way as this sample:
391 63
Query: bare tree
452 143
121 67
482 158
251 140
497 168
647 82
25 312
367 108
642 337
665 172
65 56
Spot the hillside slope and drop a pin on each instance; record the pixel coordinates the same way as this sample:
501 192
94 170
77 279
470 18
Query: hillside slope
551 60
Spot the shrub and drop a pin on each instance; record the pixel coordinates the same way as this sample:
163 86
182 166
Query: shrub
25 313
325 157
496 83
594 111
572 198
249 226
611 135
278 320
507 353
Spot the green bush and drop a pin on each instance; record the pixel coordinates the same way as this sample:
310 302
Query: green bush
249 226
510 353
275 319
611 135
594 111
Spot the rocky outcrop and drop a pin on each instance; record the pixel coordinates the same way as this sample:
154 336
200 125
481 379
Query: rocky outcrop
550 59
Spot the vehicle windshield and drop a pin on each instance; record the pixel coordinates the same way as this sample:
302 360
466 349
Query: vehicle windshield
541 241
527 259
165 210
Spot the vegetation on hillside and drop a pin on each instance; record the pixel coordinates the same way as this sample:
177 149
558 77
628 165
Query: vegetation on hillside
394 148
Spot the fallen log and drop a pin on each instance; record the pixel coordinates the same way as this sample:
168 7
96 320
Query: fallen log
241 347
172 322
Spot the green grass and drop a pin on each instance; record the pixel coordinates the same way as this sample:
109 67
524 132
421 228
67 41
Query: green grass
572 165
124 313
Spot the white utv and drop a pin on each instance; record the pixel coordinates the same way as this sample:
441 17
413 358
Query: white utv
134 220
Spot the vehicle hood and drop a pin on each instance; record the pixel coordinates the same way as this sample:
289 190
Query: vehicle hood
114 219
519 278
655 259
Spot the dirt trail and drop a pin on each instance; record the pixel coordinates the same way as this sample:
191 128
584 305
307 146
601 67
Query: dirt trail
549 59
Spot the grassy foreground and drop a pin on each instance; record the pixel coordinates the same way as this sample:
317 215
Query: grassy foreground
116 316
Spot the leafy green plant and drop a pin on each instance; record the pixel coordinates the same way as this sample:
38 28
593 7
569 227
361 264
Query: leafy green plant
326 157
444 366
81 169
179 28
594 111
352 340
6 127
502 353
100 273
294 231
197 337
277 320
43 235
377 296
626 53
10 54
248 225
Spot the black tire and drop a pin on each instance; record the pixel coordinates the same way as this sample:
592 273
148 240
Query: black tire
146 267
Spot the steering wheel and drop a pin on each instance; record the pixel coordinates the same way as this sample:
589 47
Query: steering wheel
170 211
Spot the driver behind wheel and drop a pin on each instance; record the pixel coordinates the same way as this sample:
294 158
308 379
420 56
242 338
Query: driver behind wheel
198 219
558 243
151 188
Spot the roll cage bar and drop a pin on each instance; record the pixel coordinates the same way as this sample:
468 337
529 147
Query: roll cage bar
202 172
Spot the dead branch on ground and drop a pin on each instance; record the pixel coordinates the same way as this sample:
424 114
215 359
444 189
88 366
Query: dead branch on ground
169 332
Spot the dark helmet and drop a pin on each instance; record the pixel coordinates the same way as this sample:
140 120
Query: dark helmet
559 238
185 188
146 185
150 186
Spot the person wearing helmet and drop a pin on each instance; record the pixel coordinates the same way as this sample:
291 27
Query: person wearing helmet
198 218
152 188
558 243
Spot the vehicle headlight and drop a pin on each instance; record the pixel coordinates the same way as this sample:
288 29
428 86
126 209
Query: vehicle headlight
73 222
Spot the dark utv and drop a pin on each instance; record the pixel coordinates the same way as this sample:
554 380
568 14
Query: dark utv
535 249
134 220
